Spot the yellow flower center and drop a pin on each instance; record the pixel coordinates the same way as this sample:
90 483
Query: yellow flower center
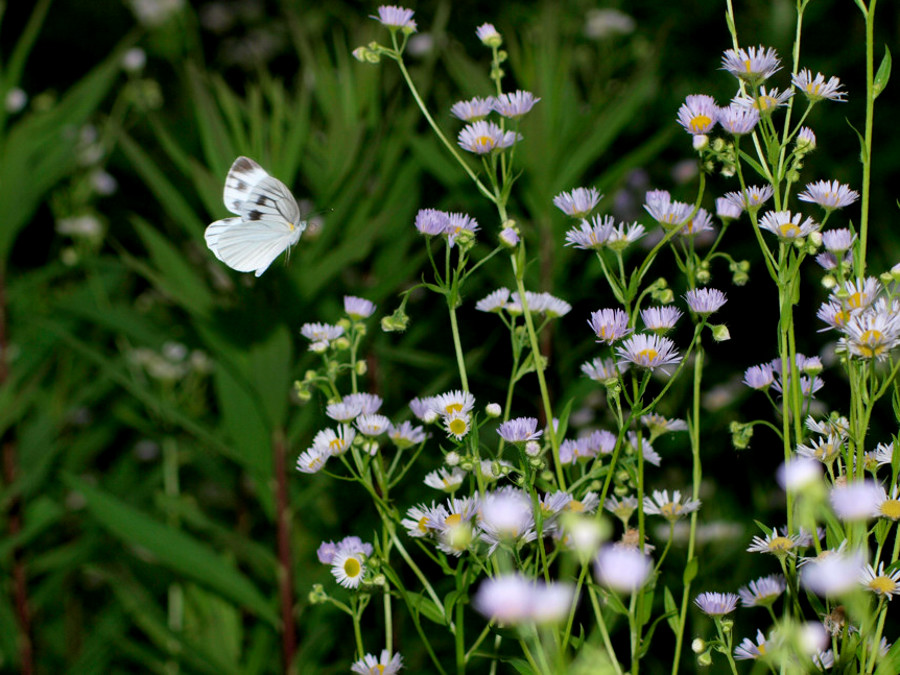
856 300
890 508
765 103
458 426
789 230
484 143
453 519
761 649
779 544
352 567
883 584
422 524
453 407
648 355
336 445
575 506
748 66
700 122
670 510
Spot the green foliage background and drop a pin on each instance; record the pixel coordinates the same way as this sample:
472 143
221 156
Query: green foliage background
88 512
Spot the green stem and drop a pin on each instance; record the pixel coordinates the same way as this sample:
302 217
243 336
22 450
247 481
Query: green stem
457 346
539 369
859 262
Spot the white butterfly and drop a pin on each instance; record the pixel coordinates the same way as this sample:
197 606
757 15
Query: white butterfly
268 221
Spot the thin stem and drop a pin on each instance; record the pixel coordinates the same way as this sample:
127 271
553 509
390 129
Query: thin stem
860 261
283 533
457 347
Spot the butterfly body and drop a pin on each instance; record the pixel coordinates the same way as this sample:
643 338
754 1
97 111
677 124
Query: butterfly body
266 224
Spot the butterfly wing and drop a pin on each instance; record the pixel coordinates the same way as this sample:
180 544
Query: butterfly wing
249 246
268 223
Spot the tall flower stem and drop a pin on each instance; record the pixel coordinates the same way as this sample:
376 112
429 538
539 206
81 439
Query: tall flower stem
695 494
283 534
859 261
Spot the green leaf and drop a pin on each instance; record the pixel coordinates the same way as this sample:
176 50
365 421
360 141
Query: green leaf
424 605
175 277
615 603
883 74
160 184
890 663
671 610
690 571
174 549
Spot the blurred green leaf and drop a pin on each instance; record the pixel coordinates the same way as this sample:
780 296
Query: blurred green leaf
174 549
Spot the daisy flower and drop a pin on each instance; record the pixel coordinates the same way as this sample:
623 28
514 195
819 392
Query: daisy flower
698 114
872 335
394 17
506 515
622 568
312 460
716 604
519 430
659 204
670 509
754 197
514 105
369 403
700 223
621 508
473 110
885 585
579 202
660 319
759 377
493 302
601 370
838 241
489 35
372 424
457 223
343 411
762 592
609 325
766 101
591 235
432 222
358 308
321 335
456 401
349 568
728 210
512 599
747 651
780 545
418 518
753 64
806 139
705 301
648 351
448 481
485 137
857 500
659 425
406 435
737 119
386 664
832 572
816 88
334 442
824 449
829 195
787 226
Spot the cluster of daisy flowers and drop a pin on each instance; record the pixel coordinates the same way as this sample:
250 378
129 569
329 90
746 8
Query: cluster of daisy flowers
699 114
323 336
358 422
505 515
483 136
866 316
451 226
768 375
504 300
